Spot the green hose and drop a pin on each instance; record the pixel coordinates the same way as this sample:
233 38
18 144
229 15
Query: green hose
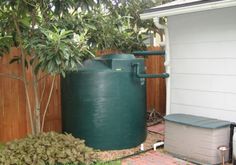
149 53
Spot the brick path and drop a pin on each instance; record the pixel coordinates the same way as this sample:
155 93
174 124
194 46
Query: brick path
154 158
159 128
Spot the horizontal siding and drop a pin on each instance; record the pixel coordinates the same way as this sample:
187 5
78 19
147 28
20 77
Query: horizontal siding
204 66
203 63
206 99
220 50
203 111
214 25
211 83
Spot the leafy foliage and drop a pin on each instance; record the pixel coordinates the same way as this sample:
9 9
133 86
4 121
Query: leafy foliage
1 146
51 148
5 44
113 29
48 28
109 163
37 26
55 36
59 51
117 25
113 32
48 43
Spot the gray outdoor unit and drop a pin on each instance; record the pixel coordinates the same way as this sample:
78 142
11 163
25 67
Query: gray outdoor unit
196 138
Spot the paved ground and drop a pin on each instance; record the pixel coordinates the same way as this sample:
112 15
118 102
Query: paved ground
159 128
154 158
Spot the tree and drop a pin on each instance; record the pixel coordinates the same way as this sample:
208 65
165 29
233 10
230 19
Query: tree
133 9
54 36
118 25
46 45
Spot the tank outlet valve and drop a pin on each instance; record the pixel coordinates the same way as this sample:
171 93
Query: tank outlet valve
158 144
142 147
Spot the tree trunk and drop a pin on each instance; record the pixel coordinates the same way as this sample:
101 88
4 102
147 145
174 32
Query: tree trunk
37 105
23 58
48 101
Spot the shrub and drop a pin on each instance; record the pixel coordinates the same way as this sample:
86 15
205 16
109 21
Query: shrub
47 148
1 146
110 163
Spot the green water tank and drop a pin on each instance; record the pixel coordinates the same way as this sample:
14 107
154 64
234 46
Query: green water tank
104 103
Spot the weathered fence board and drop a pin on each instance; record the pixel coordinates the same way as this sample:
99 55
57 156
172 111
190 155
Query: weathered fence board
156 87
14 122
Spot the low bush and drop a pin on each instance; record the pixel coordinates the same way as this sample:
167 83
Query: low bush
1 146
47 149
110 163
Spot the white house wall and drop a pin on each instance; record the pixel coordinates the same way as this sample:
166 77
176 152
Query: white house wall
203 63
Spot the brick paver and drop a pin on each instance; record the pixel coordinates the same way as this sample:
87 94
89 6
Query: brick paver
159 128
154 158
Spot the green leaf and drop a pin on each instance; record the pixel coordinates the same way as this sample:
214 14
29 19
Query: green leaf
58 61
25 21
63 74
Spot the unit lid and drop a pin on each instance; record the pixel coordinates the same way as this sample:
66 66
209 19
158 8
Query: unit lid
197 121
118 56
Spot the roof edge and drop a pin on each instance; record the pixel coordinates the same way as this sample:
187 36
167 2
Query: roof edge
162 7
187 9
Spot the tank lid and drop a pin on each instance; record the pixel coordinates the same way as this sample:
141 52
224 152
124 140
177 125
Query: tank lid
118 56
197 121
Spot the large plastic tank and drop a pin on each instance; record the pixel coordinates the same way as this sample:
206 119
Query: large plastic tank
104 103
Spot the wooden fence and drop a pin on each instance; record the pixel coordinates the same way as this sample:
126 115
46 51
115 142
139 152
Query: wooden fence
13 117
14 122
156 87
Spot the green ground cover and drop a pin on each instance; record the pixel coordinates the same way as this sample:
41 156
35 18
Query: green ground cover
1 146
110 163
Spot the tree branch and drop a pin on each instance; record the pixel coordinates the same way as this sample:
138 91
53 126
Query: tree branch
23 56
37 104
47 105
42 95
44 76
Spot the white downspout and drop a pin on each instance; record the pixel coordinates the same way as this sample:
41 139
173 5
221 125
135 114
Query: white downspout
167 61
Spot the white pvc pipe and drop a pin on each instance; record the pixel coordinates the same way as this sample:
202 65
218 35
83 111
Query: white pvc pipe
157 145
167 61
142 147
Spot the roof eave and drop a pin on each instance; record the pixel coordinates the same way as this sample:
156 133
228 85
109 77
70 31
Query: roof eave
189 9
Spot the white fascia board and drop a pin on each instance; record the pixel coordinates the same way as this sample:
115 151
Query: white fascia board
188 9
